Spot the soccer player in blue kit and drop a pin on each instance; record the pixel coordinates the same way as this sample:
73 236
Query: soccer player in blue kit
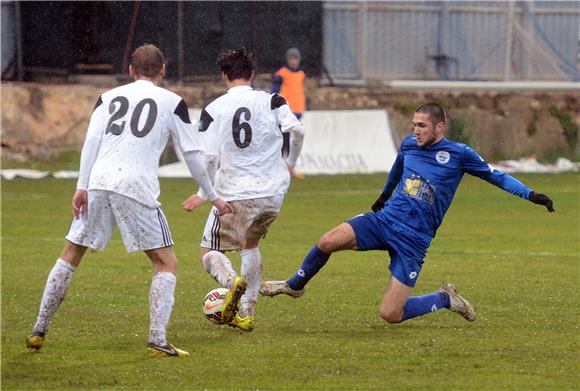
405 217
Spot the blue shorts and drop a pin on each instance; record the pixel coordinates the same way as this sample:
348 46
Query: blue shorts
407 248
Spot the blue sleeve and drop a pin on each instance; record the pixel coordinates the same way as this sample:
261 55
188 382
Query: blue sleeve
394 175
276 83
476 166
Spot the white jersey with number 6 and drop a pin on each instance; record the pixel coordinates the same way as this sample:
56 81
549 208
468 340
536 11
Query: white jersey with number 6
244 129
132 124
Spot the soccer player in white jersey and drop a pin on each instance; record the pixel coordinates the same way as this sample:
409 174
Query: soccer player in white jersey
118 186
242 135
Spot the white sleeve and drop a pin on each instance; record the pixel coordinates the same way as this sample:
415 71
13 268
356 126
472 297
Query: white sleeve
91 145
208 133
296 141
195 163
212 165
284 116
182 130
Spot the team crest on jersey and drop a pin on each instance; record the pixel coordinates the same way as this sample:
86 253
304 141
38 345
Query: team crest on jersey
443 157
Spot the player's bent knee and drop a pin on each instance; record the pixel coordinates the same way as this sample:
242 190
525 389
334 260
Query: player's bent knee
391 316
328 243
163 259
325 243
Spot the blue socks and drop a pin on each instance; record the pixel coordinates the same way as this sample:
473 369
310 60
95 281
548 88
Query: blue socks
421 305
313 262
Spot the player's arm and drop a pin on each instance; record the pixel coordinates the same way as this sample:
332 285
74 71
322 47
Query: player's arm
193 156
208 136
197 199
475 165
288 122
296 142
88 157
392 182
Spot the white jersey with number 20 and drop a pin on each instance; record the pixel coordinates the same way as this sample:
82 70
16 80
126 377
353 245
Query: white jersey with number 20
244 129
133 123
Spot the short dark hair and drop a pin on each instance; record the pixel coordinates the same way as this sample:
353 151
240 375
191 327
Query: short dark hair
147 60
435 111
236 64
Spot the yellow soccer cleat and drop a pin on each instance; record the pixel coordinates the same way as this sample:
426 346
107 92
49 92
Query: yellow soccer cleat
35 341
232 300
246 323
165 351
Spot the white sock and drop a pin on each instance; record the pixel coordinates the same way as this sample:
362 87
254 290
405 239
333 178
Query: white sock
252 269
54 292
160 306
220 268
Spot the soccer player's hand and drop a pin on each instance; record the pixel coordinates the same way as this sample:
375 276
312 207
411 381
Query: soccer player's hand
293 173
79 202
223 207
542 199
380 202
192 202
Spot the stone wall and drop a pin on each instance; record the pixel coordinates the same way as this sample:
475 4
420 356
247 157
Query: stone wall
40 120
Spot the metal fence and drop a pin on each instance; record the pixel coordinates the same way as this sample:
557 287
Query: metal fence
452 40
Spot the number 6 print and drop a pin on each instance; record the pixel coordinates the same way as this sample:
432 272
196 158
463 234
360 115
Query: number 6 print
237 127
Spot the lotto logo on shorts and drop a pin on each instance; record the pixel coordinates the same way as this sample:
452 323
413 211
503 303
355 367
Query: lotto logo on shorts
412 275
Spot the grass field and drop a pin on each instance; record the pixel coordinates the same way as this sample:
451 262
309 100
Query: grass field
517 264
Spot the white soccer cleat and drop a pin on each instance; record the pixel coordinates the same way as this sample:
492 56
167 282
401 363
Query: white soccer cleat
275 288
457 303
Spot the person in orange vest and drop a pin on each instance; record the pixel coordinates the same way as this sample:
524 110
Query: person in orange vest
288 81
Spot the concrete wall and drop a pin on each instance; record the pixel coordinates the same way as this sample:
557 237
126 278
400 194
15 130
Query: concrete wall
39 120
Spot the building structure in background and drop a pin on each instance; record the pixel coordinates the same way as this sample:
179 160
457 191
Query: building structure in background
351 42
452 40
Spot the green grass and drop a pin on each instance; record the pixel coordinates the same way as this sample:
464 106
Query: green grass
518 264
64 160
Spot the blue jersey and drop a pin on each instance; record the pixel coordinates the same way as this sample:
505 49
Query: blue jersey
424 181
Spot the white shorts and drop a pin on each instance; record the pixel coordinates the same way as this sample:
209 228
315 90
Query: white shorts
251 219
141 227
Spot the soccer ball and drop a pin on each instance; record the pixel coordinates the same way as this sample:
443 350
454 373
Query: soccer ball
213 303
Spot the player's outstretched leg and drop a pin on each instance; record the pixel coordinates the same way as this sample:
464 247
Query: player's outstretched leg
458 303
56 287
313 262
161 299
232 300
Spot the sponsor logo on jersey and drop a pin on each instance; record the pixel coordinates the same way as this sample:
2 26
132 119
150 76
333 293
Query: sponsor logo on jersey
420 189
443 157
